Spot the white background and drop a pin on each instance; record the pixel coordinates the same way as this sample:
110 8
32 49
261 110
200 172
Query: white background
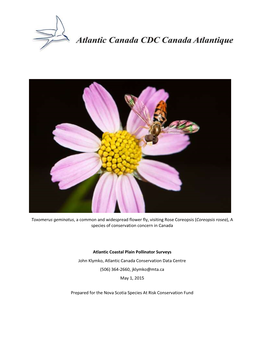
225 261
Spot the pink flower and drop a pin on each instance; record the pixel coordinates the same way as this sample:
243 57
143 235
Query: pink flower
118 156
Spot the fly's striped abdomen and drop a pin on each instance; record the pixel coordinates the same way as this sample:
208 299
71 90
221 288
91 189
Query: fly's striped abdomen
160 113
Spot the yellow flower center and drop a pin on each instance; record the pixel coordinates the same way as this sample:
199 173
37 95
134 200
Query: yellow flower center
120 152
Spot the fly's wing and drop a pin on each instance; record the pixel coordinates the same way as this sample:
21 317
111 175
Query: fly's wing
181 127
139 108
59 26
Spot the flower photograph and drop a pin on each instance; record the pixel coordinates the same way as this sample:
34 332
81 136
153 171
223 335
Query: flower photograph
130 146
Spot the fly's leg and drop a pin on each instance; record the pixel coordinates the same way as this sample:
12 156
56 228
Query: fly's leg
141 127
142 142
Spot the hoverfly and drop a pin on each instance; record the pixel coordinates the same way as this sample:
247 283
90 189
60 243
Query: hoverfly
155 125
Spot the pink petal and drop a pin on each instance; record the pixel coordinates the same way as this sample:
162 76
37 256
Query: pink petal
167 144
104 197
75 168
102 108
150 97
160 174
129 195
76 138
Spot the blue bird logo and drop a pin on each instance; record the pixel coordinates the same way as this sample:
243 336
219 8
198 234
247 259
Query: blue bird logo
53 34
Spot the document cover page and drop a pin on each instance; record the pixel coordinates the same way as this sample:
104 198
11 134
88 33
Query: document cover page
132 161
